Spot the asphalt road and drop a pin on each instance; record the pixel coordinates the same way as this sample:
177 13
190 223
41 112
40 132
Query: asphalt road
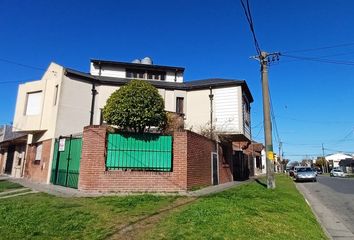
336 195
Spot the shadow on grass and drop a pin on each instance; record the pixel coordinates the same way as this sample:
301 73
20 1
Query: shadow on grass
261 183
125 229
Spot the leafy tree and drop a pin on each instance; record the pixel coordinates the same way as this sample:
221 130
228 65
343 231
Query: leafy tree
322 163
136 107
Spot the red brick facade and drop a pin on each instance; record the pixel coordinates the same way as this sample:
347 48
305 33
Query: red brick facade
225 156
37 171
2 161
191 166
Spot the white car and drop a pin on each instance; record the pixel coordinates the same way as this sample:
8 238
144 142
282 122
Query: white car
337 173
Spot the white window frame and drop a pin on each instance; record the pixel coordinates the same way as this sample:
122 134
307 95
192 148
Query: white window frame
33 104
39 150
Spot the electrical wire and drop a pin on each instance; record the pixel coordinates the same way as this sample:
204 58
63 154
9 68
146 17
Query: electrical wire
9 82
248 15
21 64
320 48
323 60
274 122
322 56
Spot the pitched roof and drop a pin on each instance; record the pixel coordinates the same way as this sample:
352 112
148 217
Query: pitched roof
186 86
136 65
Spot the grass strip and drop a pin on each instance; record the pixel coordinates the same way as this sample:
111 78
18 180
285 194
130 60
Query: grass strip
6 185
250 211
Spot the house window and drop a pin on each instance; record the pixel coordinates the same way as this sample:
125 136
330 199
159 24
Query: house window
179 105
56 94
38 156
19 159
156 75
136 74
142 74
246 111
34 103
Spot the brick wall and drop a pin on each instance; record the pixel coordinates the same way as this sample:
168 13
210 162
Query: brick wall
199 160
38 172
191 166
94 177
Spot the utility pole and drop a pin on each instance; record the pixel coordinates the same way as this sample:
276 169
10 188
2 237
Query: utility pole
263 58
323 158
281 156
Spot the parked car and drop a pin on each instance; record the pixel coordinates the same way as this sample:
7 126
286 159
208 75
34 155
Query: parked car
319 171
295 170
337 173
305 174
315 171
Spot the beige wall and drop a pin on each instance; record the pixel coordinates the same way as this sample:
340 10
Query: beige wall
198 110
46 120
104 92
169 96
74 107
227 110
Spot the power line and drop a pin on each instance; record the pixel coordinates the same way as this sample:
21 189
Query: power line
336 150
315 121
21 64
259 131
320 48
323 60
273 118
322 56
249 18
9 82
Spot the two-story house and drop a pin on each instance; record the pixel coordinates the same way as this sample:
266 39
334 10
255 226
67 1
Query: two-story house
64 100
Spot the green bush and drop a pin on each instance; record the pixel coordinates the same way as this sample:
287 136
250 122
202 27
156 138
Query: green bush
136 107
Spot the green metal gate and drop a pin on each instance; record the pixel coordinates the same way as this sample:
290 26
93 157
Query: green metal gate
66 162
147 151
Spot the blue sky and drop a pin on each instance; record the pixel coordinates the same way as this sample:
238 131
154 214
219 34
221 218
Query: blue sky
313 101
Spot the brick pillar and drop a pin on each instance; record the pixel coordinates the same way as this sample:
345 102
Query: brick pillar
180 159
92 163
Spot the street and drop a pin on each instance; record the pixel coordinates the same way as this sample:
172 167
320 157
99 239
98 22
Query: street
332 199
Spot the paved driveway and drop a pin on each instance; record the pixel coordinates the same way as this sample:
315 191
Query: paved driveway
333 201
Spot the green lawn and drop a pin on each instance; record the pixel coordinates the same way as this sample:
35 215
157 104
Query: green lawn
6 185
246 212
41 216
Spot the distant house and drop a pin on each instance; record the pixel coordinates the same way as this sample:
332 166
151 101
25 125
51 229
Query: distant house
347 165
12 151
334 159
64 101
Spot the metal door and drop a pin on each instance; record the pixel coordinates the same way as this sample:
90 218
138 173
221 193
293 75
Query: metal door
215 172
240 166
66 162
9 159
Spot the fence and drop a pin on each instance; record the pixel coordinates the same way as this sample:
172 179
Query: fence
145 151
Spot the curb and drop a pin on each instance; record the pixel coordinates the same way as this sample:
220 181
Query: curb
314 213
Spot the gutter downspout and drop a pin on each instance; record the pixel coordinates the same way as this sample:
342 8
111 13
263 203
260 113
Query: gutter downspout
211 97
93 93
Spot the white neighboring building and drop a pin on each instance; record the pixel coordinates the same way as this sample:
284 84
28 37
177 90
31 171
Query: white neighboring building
336 158
64 100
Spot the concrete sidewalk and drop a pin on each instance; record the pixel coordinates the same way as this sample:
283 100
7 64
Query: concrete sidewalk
332 225
70 192
217 188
